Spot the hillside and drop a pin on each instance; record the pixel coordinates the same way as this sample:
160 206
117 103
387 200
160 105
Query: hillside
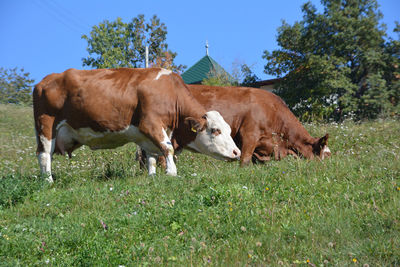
103 210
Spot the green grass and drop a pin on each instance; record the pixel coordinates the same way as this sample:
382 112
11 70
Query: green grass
103 210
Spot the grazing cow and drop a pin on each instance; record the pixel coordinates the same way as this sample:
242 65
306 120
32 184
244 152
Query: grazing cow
107 108
262 125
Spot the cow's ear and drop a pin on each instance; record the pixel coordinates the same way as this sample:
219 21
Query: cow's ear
194 124
320 143
323 140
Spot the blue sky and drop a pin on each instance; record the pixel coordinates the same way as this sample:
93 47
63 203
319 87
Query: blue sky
44 36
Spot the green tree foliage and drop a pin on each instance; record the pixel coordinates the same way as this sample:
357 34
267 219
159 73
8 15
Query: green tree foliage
114 44
218 78
15 86
249 78
241 75
392 72
334 63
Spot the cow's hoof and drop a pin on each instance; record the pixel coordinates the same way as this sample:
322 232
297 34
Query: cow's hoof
49 179
171 173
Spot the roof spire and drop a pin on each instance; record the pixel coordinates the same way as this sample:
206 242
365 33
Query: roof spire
207 47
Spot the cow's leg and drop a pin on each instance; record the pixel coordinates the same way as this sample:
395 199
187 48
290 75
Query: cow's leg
249 144
45 138
168 154
168 160
161 139
151 164
162 162
141 157
168 157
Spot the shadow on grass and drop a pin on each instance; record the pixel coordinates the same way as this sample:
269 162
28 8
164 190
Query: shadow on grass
111 171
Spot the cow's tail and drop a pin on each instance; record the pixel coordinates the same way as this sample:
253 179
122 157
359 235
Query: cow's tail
44 112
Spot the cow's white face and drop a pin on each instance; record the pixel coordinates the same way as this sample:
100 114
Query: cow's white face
215 139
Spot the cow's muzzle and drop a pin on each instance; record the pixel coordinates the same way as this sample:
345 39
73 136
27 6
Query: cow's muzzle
234 156
237 154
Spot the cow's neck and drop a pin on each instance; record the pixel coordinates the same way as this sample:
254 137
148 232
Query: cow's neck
299 138
305 146
190 107
186 107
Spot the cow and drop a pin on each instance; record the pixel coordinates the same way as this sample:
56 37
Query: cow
262 125
107 108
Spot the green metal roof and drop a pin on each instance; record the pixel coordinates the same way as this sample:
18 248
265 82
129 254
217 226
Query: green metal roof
200 71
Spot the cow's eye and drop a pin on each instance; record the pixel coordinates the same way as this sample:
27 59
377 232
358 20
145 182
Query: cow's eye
215 131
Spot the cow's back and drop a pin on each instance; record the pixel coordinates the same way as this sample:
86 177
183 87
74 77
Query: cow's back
233 106
106 99
239 105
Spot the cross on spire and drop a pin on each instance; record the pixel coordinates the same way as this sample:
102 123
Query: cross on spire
207 47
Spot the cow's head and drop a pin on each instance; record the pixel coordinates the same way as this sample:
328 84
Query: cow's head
213 137
320 147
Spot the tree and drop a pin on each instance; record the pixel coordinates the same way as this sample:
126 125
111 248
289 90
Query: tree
332 64
15 86
241 75
392 72
218 78
114 44
249 78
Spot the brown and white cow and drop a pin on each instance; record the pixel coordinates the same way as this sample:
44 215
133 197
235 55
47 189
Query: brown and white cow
107 108
262 125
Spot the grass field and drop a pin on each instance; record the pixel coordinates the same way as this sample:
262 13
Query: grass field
103 210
